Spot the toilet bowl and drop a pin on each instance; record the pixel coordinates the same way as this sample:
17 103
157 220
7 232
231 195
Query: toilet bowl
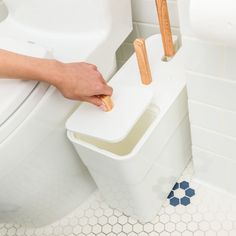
41 177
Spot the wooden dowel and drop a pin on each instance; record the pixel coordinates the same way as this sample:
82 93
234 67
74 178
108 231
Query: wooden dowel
165 28
142 58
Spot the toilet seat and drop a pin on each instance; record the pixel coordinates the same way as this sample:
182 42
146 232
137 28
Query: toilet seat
18 97
14 117
12 94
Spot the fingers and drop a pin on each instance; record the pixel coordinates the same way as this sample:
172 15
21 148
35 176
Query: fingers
98 75
92 66
100 86
83 80
95 101
107 90
103 89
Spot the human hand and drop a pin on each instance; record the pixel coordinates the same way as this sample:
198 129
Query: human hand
78 81
81 81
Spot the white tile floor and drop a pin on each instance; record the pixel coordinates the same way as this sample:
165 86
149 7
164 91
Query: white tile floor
209 212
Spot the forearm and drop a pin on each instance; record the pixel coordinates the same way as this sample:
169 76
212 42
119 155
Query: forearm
13 65
78 81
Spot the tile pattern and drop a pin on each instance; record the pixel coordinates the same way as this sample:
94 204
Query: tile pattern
181 194
210 212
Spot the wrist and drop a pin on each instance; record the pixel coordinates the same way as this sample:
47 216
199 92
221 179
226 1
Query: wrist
50 71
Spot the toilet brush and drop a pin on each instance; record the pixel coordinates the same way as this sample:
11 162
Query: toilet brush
164 21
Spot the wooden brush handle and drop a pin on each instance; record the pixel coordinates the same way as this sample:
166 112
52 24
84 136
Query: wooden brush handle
164 21
141 54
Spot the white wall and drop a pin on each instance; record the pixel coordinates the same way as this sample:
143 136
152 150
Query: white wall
145 24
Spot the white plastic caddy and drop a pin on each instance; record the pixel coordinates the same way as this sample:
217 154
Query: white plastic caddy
136 174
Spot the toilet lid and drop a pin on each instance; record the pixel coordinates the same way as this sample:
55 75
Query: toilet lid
14 92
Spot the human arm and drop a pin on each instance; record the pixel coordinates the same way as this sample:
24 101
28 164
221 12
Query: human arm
78 81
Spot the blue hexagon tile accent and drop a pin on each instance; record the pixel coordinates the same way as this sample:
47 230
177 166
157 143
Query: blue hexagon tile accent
171 194
184 185
190 192
174 201
176 186
185 200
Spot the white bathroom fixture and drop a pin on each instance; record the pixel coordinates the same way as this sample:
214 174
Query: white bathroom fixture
209 52
41 176
136 174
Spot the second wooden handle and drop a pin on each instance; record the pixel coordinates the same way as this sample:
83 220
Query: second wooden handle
142 58
164 21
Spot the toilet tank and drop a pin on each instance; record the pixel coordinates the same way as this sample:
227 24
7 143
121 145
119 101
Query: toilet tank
66 16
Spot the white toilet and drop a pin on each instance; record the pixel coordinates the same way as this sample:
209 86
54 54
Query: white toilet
41 177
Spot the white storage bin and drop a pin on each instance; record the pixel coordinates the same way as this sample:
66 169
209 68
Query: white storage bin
136 174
